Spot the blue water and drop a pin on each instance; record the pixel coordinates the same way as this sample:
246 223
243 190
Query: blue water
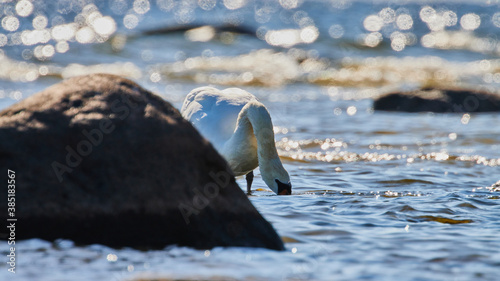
377 196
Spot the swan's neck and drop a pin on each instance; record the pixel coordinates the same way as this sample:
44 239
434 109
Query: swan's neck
256 116
260 121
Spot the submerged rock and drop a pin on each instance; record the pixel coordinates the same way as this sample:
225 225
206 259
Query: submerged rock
439 100
98 159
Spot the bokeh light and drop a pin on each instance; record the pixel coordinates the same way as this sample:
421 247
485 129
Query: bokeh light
351 110
141 6
165 5
111 258
64 32
388 15
201 34
85 35
40 22
24 8
289 4
309 34
3 40
495 19
10 23
234 4
290 37
336 31
130 21
373 23
450 18
104 26
207 5
398 41
373 39
340 54
62 47
35 37
404 22
285 38
88 22
427 14
470 21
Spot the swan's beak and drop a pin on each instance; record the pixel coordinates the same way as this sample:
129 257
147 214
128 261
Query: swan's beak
284 188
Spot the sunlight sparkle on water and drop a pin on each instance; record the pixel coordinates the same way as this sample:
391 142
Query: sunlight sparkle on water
207 5
470 21
427 14
465 119
10 23
40 22
398 41
404 22
200 34
141 6
495 19
336 31
388 15
85 35
130 21
351 110
289 4
450 18
290 37
24 8
64 32
234 4
373 39
104 26
373 23
362 179
35 37
112 257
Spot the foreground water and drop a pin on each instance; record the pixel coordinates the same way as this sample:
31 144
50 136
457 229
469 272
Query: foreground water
376 196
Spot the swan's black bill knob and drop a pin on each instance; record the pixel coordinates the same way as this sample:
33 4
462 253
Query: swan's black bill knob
284 188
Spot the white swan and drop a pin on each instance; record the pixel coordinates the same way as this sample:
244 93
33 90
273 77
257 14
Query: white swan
241 130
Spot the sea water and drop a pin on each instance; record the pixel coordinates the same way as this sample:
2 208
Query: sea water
376 195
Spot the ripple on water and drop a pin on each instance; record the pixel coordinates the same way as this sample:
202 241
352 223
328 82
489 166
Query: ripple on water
441 220
401 182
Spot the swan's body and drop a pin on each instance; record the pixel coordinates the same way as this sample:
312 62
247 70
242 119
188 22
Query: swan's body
241 130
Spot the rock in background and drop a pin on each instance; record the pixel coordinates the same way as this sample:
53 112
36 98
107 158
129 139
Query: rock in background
439 100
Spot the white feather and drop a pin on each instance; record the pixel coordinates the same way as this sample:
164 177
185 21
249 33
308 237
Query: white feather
240 128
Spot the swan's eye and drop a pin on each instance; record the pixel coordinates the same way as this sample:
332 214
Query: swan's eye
284 188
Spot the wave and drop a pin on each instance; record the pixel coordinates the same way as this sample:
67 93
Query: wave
335 151
268 68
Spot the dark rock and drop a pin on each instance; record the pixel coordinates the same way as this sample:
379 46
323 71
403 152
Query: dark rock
439 100
98 159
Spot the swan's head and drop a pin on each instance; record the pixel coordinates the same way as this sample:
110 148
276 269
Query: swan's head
284 188
276 177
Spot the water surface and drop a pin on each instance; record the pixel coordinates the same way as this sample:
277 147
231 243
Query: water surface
376 196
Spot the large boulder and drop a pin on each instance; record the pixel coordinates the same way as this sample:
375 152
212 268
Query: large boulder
439 100
98 159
